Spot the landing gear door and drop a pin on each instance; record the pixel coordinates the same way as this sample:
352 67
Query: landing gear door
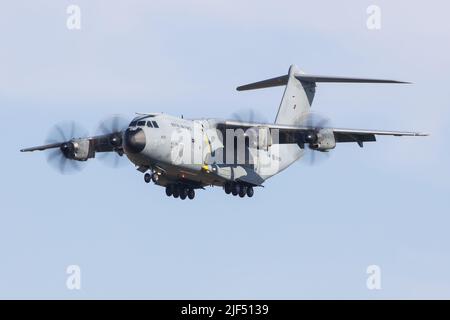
264 138
200 144
214 139
208 140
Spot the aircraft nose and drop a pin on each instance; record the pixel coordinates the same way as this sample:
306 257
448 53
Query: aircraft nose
134 140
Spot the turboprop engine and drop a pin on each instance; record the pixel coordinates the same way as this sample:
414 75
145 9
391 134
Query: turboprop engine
321 140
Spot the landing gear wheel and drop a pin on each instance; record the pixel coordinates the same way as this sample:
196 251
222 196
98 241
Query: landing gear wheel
250 192
147 177
183 193
227 188
191 194
243 191
176 192
155 178
235 189
169 190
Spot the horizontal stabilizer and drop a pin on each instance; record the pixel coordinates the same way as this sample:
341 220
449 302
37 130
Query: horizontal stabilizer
282 80
274 82
313 78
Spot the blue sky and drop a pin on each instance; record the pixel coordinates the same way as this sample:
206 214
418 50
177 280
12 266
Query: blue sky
310 233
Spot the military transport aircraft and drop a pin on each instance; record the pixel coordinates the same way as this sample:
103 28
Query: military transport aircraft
184 155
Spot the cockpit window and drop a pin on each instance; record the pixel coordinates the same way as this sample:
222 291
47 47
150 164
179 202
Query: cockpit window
149 124
133 123
141 123
155 125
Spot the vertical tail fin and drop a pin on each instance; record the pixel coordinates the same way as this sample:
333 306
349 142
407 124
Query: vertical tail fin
297 99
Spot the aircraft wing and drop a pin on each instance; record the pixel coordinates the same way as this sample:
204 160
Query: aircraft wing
102 143
297 134
82 149
42 147
358 135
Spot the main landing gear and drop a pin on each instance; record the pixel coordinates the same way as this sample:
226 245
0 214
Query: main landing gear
175 190
180 191
238 189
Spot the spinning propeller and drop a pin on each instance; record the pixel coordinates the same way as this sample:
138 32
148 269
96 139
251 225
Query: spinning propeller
70 146
315 121
62 136
249 115
113 126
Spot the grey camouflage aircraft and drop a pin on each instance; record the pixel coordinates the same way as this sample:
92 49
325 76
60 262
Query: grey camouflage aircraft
184 155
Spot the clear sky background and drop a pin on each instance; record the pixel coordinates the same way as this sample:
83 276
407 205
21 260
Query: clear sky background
310 233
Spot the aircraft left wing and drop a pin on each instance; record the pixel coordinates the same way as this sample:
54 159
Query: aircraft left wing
319 138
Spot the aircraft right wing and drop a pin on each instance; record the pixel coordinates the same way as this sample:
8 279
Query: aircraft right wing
82 149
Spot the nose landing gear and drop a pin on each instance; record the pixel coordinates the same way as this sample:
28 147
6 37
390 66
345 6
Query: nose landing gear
153 176
175 190
147 177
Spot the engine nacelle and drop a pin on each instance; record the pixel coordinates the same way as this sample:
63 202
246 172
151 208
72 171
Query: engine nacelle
325 140
78 149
